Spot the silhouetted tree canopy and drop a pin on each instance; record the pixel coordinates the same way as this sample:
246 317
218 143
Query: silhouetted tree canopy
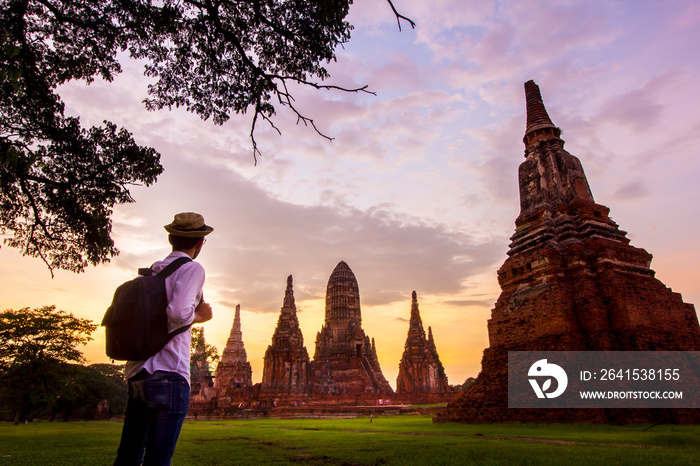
59 181
82 388
36 345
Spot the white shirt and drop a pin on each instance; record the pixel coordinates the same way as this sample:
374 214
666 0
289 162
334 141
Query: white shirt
184 290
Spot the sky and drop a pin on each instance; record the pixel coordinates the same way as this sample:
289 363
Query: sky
418 189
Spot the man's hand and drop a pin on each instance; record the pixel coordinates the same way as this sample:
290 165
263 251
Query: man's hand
202 313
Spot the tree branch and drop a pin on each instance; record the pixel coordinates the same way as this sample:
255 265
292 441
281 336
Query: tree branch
399 17
87 25
258 112
322 86
37 222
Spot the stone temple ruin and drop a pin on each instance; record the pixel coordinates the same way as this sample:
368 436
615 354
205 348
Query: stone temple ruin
286 367
233 375
345 368
345 362
571 282
421 374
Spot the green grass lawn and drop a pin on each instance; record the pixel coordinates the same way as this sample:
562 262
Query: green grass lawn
393 440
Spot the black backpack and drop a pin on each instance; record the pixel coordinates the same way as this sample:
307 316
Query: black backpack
136 323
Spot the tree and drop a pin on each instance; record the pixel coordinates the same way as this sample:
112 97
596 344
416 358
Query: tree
467 383
106 381
202 356
35 346
84 387
60 182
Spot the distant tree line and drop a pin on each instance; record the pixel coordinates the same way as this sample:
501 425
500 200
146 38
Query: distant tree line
467 383
44 374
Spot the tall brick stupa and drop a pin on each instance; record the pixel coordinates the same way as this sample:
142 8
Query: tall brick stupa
420 371
571 282
286 362
233 371
345 361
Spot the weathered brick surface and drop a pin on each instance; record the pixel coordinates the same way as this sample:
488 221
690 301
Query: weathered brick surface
345 361
420 371
345 369
233 373
571 282
286 362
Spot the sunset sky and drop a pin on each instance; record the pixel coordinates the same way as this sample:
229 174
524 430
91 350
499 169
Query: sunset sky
418 190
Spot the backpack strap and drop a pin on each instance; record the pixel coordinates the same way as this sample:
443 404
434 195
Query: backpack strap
173 266
168 270
178 331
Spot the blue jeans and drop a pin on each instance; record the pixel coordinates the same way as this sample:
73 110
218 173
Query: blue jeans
155 412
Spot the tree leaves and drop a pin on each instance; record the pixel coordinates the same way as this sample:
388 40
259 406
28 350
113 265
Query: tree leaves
30 335
35 345
58 181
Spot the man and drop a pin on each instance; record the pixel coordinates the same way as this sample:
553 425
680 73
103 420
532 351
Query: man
159 387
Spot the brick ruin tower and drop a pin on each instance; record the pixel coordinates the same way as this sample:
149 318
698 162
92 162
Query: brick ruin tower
420 370
571 282
345 361
286 359
233 371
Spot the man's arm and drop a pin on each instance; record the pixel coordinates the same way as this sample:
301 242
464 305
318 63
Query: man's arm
202 313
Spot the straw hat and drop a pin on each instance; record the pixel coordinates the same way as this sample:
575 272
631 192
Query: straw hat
188 225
